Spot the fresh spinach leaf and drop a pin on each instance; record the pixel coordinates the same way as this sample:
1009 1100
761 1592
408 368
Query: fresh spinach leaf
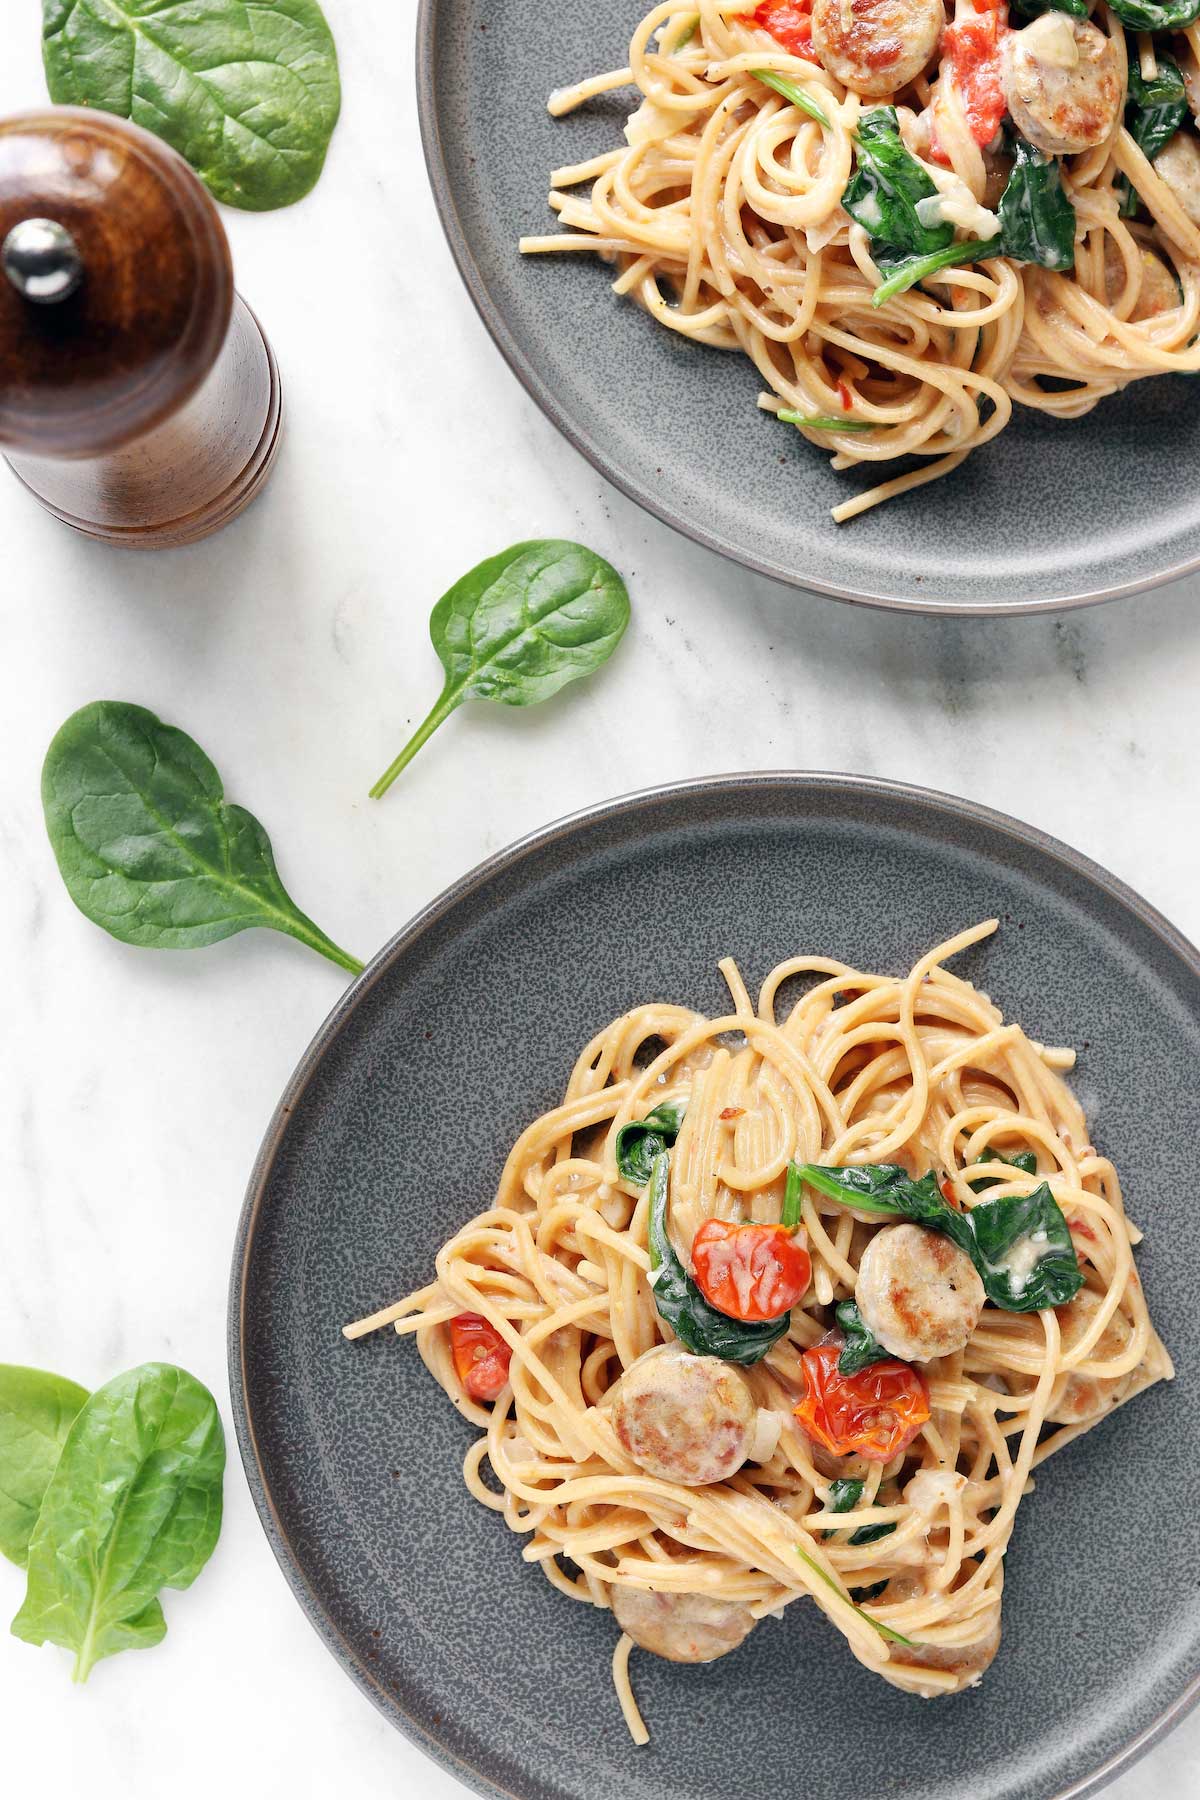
1154 111
1020 1244
1037 219
861 1349
698 1326
1024 1160
518 627
885 190
791 90
147 844
36 1411
134 1505
246 90
639 1142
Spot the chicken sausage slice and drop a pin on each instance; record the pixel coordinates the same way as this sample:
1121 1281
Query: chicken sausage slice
876 46
1062 83
1178 164
684 1418
686 1628
918 1293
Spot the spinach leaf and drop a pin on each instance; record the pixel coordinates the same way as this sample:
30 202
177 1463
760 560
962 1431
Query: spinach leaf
823 421
639 1142
883 1630
791 90
885 189
861 1348
906 273
845 1494
869 1593
698 1326
1037 220
1019 1244
133 1506
1024 1160
1033 9
870 1534
36 1410
147 844
248 93
1154 111
1147 15
518 627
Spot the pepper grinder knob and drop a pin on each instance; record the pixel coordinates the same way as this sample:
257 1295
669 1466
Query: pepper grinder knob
139 398
42 261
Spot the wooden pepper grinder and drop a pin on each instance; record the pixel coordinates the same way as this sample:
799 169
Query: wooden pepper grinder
139 399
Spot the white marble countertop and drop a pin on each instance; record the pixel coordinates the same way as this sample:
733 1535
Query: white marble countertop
294 647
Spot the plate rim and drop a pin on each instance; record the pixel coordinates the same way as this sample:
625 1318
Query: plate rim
806 782
939 605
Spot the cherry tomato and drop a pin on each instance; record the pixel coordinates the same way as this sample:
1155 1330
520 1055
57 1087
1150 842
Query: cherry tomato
875 1414
481 1356
790 24
750 1272
971 53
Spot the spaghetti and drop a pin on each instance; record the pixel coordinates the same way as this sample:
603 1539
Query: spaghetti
726 215
551 1302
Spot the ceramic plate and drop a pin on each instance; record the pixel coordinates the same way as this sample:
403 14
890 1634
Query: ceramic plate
393 1132
1050 514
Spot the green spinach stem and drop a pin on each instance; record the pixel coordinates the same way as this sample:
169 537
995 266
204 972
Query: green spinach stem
446 702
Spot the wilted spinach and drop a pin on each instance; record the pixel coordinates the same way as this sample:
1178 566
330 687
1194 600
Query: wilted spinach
884 191
249 94
519 627
133 1505
149 847
698 1326
1024 1160
845 1494
791 90
1019 1244
1146 15
36 1413
872 1592
861 1349
1037 219
1154 111
639 1142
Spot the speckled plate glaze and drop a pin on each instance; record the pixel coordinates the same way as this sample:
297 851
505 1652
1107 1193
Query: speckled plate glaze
394 1130
1051 514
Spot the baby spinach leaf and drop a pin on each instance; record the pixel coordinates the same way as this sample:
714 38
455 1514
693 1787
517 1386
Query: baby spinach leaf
885 189
861 1594
133 1506
845 1494
639 1142
906 273
147 844
246 90
36 1411
1019 1244
877 1624
1147 15
1024 1160
518 627
1037 219
1154 111
791 90
861 1348
870 1534
698 1326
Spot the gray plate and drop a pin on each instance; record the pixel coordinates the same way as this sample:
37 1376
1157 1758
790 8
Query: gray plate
1051 514
394 1130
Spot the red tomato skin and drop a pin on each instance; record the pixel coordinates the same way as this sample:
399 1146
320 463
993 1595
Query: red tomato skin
775 1269
875 1414
481 1356
790 24
971 52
